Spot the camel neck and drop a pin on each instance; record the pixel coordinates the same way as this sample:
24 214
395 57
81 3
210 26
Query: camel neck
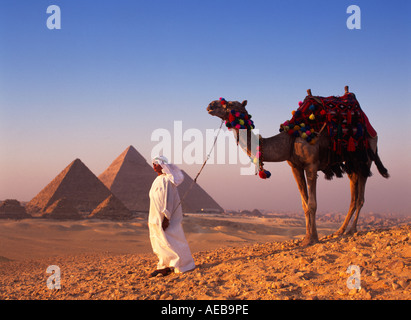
273 149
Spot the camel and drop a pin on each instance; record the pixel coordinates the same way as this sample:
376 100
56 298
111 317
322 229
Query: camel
304 158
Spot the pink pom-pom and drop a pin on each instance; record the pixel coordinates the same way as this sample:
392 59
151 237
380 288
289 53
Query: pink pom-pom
237 114
258 154
300 103
238 126
308 132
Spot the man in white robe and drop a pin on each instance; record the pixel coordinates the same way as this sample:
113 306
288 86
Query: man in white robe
165 220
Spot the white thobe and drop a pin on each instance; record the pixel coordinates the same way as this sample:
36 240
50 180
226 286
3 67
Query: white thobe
170 246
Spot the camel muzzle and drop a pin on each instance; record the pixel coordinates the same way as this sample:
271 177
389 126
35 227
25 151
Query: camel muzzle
210 109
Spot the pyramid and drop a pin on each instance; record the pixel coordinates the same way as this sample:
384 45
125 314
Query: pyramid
75 183
111 208
12 209
62 209
197 199
129 178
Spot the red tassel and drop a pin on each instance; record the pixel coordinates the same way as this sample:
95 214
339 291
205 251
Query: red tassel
349 116
351 145
262 174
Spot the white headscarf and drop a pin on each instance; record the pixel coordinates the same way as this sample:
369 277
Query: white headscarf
171 170
160 160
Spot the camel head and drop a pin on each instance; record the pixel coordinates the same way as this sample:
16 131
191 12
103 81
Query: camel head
222 108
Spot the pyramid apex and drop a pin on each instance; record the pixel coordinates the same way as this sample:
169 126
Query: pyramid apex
76 161
132 154
131 147
75 164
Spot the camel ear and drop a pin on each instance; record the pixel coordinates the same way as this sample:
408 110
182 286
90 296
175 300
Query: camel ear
244 103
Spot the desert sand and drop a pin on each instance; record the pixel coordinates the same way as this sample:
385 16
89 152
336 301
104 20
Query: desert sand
237 257
39 238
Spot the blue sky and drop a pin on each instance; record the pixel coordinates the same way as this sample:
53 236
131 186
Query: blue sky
118 70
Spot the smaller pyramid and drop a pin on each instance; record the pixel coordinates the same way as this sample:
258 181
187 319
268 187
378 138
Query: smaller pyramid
12 209
75 183
111 208
62 209
197 199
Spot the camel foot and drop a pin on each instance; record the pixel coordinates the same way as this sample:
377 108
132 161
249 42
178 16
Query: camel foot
337 233
351 231
309 241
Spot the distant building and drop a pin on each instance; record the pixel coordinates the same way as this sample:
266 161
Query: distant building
12 209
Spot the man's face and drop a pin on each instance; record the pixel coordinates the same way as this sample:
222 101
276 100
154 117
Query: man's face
157 168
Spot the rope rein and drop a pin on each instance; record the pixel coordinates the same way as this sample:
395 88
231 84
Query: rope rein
201 169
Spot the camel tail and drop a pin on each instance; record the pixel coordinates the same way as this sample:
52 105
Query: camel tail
381 169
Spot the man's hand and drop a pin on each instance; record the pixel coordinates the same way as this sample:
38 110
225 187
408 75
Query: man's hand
165 223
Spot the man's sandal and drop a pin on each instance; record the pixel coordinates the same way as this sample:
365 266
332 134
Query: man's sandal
161 272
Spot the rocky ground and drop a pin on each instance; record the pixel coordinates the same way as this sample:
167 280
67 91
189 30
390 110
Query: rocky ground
275 270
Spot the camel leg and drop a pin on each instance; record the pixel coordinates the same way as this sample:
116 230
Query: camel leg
360 202
311 228
353 204
302 185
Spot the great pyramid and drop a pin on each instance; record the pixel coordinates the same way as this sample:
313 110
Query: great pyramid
76 183
12 209
111 208
129 178
62 209
197 199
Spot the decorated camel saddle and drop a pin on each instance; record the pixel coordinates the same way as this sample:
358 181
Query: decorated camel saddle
341 118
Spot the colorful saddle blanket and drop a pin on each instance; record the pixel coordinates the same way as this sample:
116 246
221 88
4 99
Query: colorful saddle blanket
341 117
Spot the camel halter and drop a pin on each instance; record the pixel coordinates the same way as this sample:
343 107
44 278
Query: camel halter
242 120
